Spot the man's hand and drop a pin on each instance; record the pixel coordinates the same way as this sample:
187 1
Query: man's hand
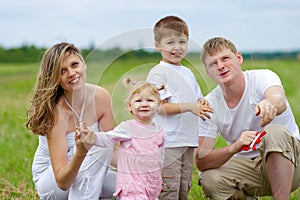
266 111
255 141
245 139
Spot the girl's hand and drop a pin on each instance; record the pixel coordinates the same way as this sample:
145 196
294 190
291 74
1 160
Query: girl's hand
84 136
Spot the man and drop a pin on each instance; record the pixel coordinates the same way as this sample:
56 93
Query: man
245 104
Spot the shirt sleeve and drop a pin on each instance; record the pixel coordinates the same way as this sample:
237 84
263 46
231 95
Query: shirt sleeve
120 133
265 79
165 93
158 79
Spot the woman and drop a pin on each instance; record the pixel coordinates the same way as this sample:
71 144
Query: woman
66 166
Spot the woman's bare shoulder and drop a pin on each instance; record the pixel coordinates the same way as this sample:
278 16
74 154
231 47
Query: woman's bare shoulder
99 92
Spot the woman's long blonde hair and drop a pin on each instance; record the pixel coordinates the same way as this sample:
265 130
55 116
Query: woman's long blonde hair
42 111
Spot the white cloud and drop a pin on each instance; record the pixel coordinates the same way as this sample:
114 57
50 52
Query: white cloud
253 25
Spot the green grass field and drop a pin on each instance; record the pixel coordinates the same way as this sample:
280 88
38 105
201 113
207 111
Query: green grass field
17 145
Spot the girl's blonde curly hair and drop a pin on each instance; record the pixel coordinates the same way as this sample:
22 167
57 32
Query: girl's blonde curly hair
138 87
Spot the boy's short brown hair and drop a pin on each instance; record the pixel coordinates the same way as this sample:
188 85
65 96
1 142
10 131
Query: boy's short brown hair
213 45
167 25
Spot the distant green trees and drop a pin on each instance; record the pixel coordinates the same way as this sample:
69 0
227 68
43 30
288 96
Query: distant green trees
271 55
118 53
30 54
21 54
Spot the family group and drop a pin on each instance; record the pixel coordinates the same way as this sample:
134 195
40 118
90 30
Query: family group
173 128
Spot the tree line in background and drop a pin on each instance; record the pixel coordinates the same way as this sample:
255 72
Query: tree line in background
32 54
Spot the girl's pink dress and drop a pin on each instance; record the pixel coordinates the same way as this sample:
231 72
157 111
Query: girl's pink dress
140 162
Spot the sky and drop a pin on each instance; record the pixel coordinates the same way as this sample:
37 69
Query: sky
253 25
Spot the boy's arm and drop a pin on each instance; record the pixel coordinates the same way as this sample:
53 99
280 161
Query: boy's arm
198 109
176 108
166 108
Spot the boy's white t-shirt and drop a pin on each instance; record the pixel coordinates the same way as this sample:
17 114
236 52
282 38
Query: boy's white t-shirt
181 87
232 122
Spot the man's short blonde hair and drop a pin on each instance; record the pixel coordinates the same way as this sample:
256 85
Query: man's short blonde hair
216 44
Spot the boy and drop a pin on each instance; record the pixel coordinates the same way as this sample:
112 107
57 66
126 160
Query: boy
181 109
